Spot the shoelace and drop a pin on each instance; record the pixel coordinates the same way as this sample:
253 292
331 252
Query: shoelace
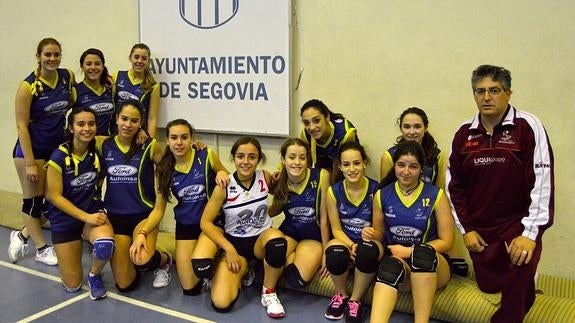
96 282
353 308
271 299
336 300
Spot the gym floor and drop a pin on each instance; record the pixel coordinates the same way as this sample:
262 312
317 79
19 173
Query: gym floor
32 292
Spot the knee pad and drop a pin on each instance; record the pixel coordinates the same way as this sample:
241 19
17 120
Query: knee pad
132 285
72 289
33 206
293 277
391 272
152 264
336 259
276 252
103 248
423 259
225 309
366 257
194 291
203 268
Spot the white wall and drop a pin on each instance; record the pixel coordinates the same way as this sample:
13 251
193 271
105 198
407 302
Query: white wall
368 59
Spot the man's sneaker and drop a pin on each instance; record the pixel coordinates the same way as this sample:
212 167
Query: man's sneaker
336 307
97 288
47 256
250 276
162 276
17 247
272 304
353 313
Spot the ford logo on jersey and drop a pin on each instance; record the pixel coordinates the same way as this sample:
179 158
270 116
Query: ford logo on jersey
305 211
102 107
83 179
125 95
191 190
405 231
356 222
208 14
122 170
56 107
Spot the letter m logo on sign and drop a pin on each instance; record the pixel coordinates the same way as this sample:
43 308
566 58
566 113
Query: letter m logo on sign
208 14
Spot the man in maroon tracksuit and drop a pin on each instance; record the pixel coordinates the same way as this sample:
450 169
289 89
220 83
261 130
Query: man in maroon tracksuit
500 183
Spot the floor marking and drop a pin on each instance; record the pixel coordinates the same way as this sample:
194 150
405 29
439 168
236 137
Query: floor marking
53 308
156 308
160 309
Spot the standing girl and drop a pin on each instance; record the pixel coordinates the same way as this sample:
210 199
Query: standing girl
418 232
95 91
74 212
325 131
42 100
357 234
138 84
300 194
248 233
189 175
129 198
413 124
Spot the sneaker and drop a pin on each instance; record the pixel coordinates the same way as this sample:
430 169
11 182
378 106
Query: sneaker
47 256
353 313
336 307
17 247
250 276
273 305
97 288
162 276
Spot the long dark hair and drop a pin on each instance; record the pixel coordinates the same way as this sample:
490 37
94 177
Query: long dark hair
322 108
134 146
105 77
165 168
428 143
281 190
406 147
69 143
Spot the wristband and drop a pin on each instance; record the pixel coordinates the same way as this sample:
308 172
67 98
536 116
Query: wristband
142 231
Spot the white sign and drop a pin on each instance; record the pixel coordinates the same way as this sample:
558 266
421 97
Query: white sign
223 65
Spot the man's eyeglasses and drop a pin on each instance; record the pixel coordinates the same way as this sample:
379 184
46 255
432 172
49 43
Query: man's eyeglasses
493 91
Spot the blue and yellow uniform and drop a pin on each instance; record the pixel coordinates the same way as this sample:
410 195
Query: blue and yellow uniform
79 177
409 222
323 155
354 216
100 101
302 209
192 187
50 101
126 88
130 188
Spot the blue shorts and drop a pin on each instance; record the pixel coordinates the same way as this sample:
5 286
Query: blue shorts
125 224
71 234
43 153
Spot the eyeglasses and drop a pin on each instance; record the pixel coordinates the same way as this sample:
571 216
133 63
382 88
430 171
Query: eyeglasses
493 91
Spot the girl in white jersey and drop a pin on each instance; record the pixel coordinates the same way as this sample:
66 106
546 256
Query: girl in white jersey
247 234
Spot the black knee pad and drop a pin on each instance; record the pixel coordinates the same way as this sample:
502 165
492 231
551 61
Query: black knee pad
33 206
293 277
203 267
423 259
132 286
194 291
225 309
391 272
336 259
366 257
276 252
152 264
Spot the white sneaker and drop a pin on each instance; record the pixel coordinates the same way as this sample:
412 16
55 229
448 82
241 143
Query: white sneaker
162 276
47 256
16 247
273 305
